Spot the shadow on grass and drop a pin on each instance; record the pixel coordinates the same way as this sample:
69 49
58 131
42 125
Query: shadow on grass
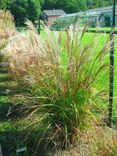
11 135
11 140
4 108
15 139
5 78
6 90
3 71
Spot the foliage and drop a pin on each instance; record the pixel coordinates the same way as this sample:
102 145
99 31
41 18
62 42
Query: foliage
98 3
68 6
21 10
71 6
3 4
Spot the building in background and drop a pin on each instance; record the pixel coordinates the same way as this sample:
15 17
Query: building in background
49 16
99 17
102 16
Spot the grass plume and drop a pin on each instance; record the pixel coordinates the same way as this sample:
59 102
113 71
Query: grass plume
61 71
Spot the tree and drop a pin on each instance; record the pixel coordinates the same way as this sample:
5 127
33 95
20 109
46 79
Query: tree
71 6
3 4
22 9
98 3
50 4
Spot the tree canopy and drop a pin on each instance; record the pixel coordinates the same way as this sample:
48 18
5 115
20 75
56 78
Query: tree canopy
71 6
22 9
3 4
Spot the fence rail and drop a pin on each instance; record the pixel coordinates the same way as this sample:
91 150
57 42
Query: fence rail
102 31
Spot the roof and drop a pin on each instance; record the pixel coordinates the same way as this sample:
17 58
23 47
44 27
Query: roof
69 15
102 9
54 12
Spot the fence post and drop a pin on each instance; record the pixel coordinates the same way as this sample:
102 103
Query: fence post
18 24
39 25
0 150
111 90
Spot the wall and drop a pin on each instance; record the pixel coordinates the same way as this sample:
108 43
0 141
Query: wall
51 20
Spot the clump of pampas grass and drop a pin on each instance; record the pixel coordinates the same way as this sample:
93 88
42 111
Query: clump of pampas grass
62 70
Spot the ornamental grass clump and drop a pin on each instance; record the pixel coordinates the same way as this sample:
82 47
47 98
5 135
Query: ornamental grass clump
62 76
7 27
